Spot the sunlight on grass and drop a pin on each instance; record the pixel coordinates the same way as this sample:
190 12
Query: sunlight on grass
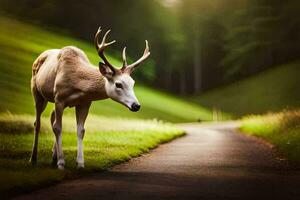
281 129
107 142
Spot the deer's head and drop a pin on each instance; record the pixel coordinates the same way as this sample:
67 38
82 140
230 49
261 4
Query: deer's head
119 84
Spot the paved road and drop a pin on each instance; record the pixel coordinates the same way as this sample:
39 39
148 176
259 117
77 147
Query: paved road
211 162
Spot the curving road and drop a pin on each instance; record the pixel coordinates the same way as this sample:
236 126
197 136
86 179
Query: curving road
212 161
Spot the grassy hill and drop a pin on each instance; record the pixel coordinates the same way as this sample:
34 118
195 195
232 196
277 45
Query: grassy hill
272 90
21 43
281 129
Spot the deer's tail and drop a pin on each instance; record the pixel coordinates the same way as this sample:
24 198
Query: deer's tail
39 62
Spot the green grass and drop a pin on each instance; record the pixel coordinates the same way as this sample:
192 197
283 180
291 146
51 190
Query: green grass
281 129
272 90
113 134
105 144
21 43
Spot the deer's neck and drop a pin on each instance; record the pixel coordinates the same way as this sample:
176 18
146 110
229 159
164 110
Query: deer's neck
94 87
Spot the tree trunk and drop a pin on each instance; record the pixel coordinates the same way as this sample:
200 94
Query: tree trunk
197 64
182 86
168 80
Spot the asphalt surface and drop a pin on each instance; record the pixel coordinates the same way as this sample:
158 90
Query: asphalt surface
210 162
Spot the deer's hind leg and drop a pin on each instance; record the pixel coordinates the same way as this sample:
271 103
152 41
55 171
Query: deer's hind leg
57 128
40 105
54 149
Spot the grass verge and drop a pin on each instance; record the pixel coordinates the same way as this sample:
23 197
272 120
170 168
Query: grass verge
281 129
106 143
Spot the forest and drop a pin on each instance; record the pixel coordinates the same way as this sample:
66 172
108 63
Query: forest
196 45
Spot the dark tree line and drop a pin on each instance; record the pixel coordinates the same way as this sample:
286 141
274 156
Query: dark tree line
131 22
196 45
261 35
232 39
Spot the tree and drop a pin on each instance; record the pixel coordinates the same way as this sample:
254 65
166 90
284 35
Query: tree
256 36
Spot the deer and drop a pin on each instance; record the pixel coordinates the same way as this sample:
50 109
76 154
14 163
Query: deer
67 78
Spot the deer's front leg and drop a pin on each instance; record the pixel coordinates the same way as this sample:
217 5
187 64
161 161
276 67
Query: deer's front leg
81 114
57 129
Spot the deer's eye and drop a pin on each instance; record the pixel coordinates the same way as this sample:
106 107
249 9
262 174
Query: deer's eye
119 85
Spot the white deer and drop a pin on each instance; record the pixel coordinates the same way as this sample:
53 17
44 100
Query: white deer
66 78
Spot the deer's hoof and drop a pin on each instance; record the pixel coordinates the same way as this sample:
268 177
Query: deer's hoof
80 165
60 167
33 162
61 164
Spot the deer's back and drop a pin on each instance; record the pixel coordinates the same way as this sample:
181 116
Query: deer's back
55 68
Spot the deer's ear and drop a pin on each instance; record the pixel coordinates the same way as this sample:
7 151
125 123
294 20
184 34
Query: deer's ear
105 71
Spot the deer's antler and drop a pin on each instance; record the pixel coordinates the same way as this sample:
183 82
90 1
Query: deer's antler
131 67
100 48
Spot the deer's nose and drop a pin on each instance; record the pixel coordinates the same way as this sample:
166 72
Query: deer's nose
135 107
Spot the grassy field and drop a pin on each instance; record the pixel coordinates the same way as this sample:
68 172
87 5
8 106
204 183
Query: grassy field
281 129
104 145
21 43
113 134
272 90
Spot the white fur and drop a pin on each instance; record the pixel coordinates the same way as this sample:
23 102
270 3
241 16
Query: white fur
126 95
